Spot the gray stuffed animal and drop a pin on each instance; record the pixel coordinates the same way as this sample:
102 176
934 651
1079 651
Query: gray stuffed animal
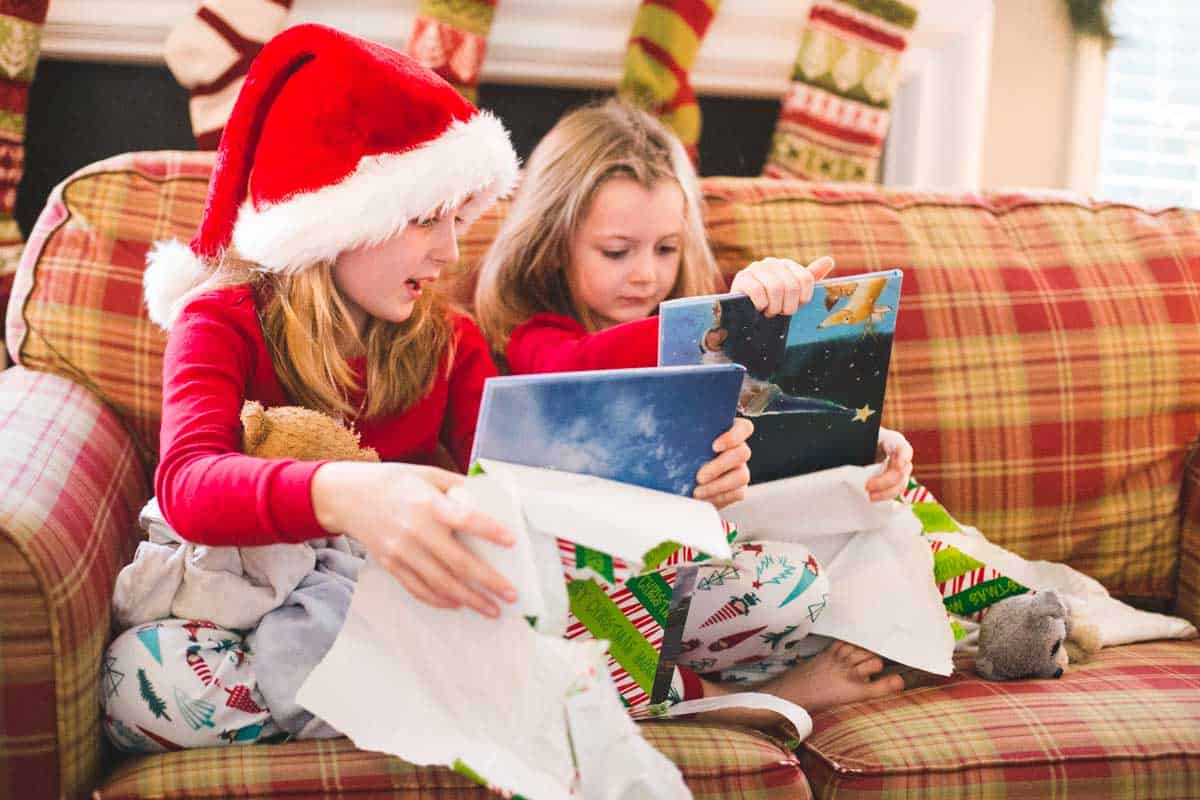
1029 636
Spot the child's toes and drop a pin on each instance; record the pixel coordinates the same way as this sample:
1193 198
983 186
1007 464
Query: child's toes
859 655
871 666
885 686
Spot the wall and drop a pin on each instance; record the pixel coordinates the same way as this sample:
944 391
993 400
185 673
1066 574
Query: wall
1031 101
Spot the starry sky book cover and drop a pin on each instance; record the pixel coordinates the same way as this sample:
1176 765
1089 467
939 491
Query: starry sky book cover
649 427
815 380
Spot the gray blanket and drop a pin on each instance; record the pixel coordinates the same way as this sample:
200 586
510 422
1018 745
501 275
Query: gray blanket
291 599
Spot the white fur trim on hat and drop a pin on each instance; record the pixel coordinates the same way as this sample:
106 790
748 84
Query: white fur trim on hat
383 194
173 274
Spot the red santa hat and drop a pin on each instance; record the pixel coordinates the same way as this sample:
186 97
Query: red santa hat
334 142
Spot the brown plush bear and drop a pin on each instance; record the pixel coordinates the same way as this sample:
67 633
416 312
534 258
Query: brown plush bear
299 433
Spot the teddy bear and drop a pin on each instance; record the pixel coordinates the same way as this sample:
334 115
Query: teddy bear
299 433
1033 635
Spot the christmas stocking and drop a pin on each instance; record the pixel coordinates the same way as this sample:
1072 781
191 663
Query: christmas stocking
663 45
835 116
450 37
210 52
20 41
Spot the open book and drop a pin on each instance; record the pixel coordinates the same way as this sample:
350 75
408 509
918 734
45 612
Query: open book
649 427
814 380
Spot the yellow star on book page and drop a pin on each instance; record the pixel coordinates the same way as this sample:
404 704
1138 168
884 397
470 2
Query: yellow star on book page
862 414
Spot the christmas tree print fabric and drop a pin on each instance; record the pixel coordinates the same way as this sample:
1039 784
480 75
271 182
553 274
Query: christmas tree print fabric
176 684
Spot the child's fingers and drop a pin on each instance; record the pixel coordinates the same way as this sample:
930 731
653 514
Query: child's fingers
435 572
727 461
418 588
821 267
886 486
728 498
727 482
749 285
463 520
804 283
442 479
791 283
739 432
471 569
774 286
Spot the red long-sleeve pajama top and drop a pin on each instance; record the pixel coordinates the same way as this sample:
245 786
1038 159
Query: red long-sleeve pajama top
556 343
217 358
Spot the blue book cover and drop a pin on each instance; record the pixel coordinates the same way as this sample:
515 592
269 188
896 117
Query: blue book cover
650 427
814 381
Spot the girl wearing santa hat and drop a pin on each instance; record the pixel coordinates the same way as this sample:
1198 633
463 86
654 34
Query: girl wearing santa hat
343 177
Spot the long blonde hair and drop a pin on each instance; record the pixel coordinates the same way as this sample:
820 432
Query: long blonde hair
304 318
526 269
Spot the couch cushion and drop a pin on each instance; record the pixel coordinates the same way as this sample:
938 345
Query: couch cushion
1045 360
717 762
70 490
76 308
1125 725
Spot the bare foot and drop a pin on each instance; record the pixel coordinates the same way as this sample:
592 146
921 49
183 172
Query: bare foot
838 675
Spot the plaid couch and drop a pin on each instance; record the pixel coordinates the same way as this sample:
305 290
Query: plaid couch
1046 369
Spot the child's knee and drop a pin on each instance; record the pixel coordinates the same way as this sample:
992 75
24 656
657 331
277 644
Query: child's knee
788 585
175 684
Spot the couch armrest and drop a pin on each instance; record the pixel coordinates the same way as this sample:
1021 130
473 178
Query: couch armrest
71 486
1187 598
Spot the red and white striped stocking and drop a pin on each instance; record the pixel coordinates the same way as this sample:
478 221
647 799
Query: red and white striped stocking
210 52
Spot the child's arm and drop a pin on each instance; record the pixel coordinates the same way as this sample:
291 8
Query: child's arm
208 490
554 343
472 366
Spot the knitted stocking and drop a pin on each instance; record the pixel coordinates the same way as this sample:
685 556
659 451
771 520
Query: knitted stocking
210 52
450 37
834 118
20 42
663 45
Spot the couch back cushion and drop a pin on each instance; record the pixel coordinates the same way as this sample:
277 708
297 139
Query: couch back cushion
1046 364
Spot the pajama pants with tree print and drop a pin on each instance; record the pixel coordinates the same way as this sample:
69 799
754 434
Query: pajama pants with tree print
174 683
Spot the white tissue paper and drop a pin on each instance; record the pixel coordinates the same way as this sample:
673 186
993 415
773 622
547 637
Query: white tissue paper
880 568
498 697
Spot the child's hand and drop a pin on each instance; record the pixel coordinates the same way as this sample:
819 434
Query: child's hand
402 516
889 484
723 480
780 285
